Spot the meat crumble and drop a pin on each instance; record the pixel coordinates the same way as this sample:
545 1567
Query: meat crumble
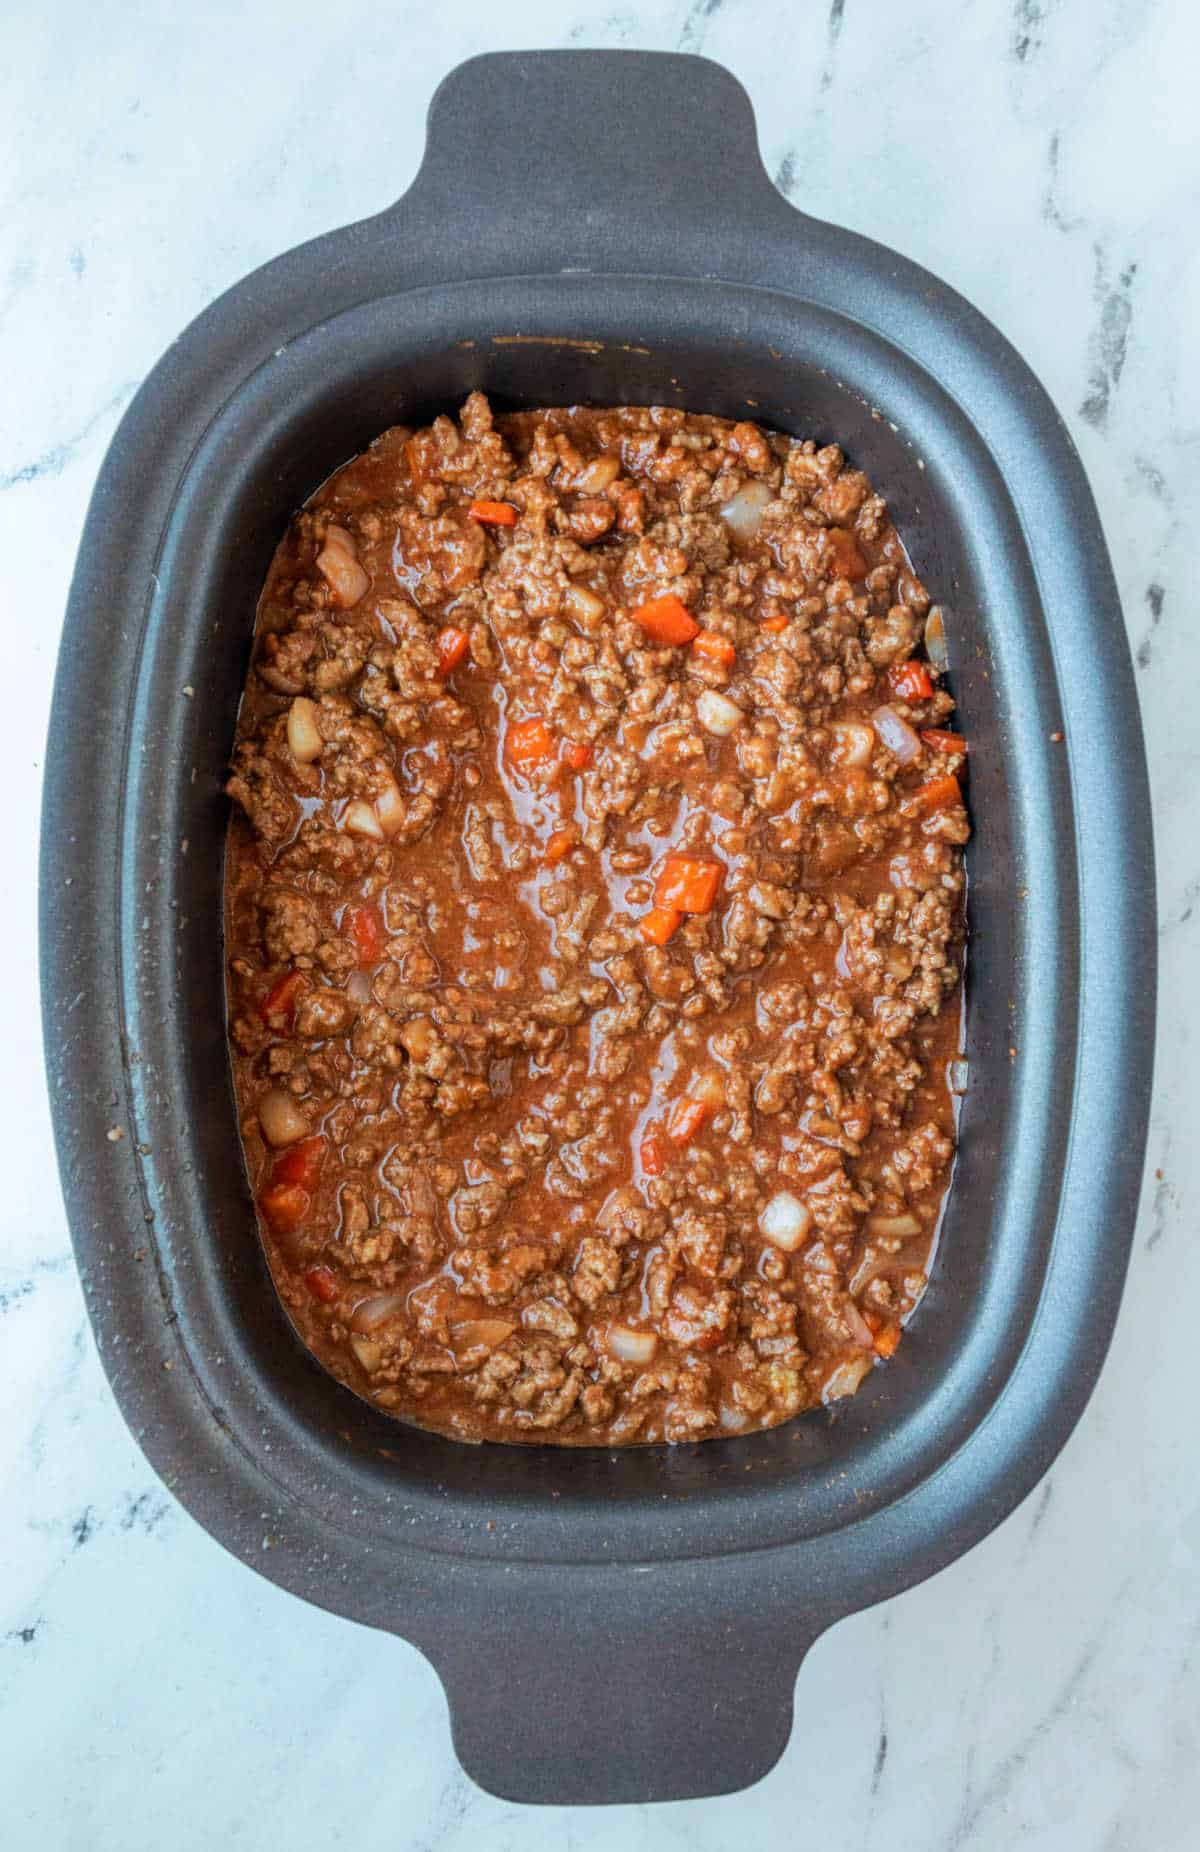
595 925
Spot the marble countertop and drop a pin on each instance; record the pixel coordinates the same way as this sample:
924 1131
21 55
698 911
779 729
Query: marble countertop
1042 1692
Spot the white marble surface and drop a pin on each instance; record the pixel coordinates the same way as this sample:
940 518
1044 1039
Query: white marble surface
1041 1693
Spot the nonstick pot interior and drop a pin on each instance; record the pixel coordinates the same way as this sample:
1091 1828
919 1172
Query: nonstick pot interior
273 444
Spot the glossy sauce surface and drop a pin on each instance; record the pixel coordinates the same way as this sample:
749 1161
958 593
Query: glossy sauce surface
595 926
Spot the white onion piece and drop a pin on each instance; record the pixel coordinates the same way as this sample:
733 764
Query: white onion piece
958 1076
281 1119
598 475
820 1258
743 511
615 1207
303 735
631 1346
894 1227
860 1330
487 1332
896 735
708 1088
391 809
935 640
717 713
337 563
360 820
844 1380
369 1354
853 742
785 1221
732 1419
276 679
369 1314
584 604
358 987
417 1038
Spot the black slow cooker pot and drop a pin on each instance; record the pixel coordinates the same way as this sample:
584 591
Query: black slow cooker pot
597 227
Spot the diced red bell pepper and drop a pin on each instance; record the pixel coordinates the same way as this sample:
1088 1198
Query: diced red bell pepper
938 794
939 741
452 646
278 1007
716 648
685 1119
688 883
776 624
301 1163
558 844
529 742
657 926
577 755
667 620
284 1206
363 925
322 1283
651 1155
910 681
493 514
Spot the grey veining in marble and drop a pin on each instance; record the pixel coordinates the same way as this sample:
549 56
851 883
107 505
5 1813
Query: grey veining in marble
1042 1693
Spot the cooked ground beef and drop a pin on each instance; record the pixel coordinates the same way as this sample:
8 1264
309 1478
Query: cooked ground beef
595 926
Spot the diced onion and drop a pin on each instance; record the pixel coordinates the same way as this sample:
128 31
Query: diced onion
417 1037
342 572
598 475
743 511
358 987
303 735
935 640
369 1354
854 742
488 1332
717 713
958 1075
860 1330
732 1419
369 1314
390 809
339 537
276 679
708 1088
820 1258
894 1227
281 1119
614 1209
785 1221
360 819
631 1346
844 1380
584 604
896 735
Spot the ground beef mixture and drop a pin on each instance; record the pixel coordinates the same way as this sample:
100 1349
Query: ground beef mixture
595 926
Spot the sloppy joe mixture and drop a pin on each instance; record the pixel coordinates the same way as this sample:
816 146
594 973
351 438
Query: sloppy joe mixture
595 926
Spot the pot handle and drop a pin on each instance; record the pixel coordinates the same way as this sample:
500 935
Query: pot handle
624 1695
580 160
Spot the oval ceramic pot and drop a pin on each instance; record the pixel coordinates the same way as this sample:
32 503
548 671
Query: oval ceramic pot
609 1626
